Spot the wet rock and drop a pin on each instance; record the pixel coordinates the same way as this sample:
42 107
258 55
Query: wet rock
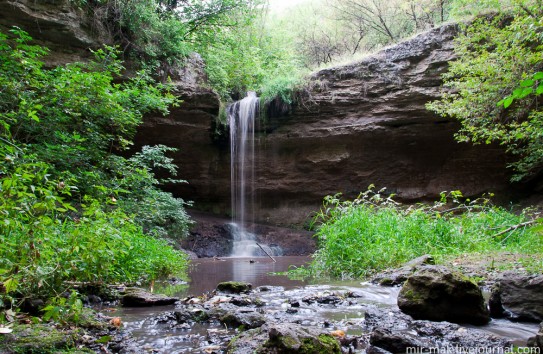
400 275
137 297
453 335
242 301
247 320
268 288
518 297
284 338
191 315
438 294
398 342
395 328
324 298
234 287
537 340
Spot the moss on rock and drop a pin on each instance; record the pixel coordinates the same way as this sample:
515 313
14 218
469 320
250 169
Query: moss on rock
38 338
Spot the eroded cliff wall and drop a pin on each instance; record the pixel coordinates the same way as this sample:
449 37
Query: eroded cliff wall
359 124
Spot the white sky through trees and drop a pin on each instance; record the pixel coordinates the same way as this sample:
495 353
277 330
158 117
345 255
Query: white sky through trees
283 4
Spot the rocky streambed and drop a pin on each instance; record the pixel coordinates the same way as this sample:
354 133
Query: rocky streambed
348 317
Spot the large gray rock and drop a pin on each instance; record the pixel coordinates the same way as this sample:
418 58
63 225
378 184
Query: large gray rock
400 341
136 297
537 340
399 276
284 338
438 294
518 297
393 331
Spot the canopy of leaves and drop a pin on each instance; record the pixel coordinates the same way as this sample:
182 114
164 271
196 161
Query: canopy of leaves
493 87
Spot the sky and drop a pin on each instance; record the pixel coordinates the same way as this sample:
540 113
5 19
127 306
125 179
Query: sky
283 4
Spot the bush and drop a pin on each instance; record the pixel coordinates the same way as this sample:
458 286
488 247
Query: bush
371 233
62 187
497 54
43 243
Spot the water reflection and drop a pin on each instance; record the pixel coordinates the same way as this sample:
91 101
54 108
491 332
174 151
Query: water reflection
206 273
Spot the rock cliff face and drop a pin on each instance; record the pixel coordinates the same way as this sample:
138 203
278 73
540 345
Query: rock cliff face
55 24
359 124
356 125
366 123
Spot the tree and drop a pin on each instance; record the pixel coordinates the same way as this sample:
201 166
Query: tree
497 54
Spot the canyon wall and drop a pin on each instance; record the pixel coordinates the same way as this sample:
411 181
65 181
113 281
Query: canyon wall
354 125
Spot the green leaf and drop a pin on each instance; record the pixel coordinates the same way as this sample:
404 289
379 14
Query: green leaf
103 339
539 89
11 285
527 83
517 92
507 102
538 75
525 92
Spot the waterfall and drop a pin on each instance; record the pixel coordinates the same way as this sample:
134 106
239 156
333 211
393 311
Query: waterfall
241 119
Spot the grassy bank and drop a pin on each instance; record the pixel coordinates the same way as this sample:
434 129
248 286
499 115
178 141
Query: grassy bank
371 233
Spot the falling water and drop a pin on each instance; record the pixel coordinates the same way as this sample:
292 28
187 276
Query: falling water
241 118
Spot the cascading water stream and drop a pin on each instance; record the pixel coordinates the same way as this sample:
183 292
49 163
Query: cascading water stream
241 119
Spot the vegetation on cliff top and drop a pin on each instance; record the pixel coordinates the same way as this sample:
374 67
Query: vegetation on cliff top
495 86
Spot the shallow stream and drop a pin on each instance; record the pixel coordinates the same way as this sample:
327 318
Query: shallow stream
159 337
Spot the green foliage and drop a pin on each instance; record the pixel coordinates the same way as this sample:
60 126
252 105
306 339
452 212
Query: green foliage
373 232
63 310
495 85
42 246
62 188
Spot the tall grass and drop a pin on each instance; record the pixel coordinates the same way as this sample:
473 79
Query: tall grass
360 237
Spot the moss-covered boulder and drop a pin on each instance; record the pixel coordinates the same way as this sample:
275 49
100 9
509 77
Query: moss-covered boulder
234 287
436 293
285 338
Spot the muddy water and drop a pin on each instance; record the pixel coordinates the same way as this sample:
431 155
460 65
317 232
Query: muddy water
206 273
154 334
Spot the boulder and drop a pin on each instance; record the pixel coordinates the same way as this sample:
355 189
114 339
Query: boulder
234 287
137 297
438 294
518 297
399 276
537 340
391 331
284 338
399 342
